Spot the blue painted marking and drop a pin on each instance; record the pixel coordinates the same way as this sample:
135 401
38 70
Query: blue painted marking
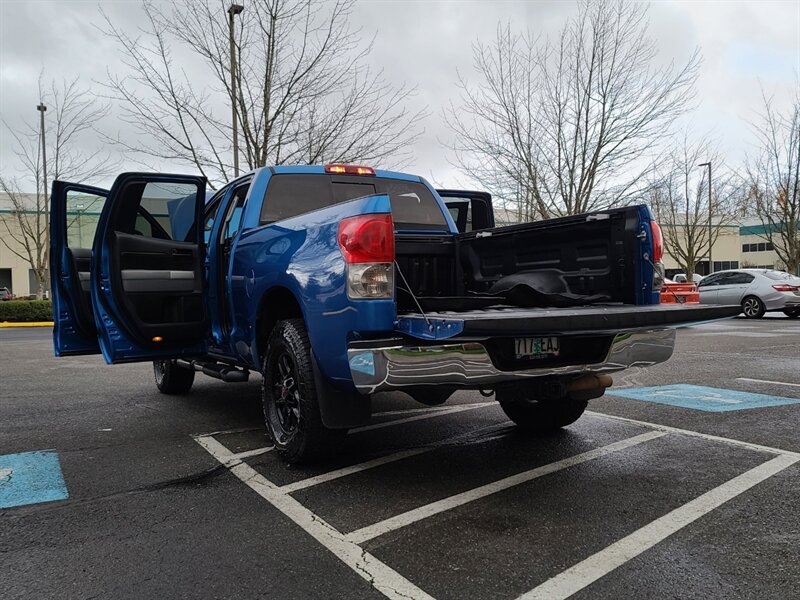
31 478
703 398
364 362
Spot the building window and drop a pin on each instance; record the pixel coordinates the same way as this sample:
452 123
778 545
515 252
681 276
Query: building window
759 247
724 265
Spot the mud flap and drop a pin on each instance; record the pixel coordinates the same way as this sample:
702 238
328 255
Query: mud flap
340 409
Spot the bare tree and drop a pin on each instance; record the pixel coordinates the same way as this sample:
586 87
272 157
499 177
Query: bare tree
303 91
678 195
72 112
563 127
774 180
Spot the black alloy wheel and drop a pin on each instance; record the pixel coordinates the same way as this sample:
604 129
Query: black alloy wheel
172 379
287 396
290 399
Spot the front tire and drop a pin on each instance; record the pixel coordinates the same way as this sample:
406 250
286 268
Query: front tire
289 396
753 308
172 379
541 417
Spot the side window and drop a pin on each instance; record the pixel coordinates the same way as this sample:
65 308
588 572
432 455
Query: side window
158 210
83 212
233 218
710 280
210 215
740 278
291 195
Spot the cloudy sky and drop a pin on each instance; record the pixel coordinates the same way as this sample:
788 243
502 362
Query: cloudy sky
745 45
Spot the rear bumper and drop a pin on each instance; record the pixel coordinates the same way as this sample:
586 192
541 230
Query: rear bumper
392 365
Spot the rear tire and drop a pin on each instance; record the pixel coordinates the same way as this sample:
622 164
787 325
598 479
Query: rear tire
792 313
753 308
172 379
541 417
289 396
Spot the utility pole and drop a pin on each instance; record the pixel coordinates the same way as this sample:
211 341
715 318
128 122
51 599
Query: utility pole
41 108
234 10
710 230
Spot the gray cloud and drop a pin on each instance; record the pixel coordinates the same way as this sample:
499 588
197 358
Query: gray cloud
425 44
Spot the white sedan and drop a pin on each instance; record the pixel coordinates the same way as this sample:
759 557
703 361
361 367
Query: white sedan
757 290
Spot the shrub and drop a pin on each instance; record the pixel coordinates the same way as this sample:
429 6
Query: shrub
26 311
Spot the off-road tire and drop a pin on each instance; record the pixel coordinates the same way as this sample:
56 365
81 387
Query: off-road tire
753 308
291 412
172 379
541 417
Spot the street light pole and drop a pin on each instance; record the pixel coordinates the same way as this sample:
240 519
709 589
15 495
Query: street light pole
41 108
710 230
234 9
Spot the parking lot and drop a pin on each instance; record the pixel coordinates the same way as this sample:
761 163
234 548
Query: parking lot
658 491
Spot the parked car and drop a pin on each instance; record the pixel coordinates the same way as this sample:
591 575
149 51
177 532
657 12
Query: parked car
5 294
756 290
673 292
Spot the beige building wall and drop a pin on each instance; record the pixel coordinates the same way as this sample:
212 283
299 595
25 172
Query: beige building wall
12 264
728 250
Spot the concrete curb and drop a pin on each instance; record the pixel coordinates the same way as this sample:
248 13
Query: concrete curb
32 324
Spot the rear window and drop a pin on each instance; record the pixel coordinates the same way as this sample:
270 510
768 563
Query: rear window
289 195
778 275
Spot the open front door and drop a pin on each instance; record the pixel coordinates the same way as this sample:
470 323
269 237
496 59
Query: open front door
147 281
74 213
470 210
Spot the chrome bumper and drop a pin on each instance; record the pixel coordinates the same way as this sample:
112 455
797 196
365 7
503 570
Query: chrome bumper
468 365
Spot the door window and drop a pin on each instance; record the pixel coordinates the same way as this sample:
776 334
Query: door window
738 279
83 213
161 210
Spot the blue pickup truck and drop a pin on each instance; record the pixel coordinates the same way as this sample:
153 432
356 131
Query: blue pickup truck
337 282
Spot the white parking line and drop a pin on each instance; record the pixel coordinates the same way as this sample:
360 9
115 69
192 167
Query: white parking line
617 554
748 379
411 411
423 512
382 577
428 415
256 452
689 432
345 471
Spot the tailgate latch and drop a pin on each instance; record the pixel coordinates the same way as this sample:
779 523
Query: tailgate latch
429 329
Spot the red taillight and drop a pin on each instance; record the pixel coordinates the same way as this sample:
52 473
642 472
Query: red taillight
349 170
658 241
783 287
367 239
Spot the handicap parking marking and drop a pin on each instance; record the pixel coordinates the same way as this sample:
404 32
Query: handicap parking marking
31 478
703 398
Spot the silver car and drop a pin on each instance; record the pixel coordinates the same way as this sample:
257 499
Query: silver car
757 290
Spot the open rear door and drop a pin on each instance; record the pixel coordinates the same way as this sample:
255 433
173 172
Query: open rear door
470 210
147 281
74 213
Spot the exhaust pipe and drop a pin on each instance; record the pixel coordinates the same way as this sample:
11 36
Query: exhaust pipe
588 386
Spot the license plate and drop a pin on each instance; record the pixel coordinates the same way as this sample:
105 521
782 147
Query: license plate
536 347
681 298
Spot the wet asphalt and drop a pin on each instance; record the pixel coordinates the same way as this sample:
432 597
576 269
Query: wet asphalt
151 514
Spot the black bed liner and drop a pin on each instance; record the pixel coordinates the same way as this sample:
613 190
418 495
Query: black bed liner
612 318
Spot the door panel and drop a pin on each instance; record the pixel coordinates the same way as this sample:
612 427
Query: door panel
148 283
74 213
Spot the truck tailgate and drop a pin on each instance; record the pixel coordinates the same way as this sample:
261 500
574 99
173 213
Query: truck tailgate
600 318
